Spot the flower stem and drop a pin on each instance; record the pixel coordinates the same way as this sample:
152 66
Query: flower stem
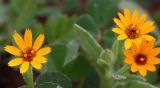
123 69
28 78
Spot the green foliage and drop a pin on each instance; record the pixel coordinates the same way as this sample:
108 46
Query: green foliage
52 79
85 52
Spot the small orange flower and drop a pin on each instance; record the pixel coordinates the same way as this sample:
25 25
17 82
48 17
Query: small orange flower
26 52
142 58
133 28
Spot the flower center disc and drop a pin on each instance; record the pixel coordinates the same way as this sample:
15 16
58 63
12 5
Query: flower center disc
28 55
132 32
141 59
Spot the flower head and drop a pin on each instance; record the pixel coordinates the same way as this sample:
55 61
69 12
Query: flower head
27 53
133 28
142 58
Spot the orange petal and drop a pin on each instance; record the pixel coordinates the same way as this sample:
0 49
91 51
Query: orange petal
15 62
24 67
28 38
36 65
151 68
153 60
134 68
40 59
19 41
128 53
38 42
44 51
142 70
129 60
12 50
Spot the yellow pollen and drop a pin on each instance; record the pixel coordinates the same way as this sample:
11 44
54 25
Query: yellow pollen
25 55
32 51
141 59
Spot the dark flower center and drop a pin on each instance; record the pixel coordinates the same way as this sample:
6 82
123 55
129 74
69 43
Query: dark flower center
141 59
132 32
28 55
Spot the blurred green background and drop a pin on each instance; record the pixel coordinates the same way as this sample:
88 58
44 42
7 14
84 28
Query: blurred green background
55 18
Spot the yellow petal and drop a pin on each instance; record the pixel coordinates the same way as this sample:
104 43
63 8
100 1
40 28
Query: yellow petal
122 18
147 27
127 15
129 60
153 60
119 23
118 31
15 62
148 37
36 65
127 43
44 51
122 37
24 67
141 20
134 16
151 68
19 41
40 59
38 42
142 70
134 68
28 38
12 50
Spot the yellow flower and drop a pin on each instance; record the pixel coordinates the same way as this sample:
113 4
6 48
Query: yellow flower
133 28
28 54
142 58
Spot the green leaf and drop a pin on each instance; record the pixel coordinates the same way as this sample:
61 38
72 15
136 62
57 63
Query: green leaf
26 14
58 55
54 78
115 48
138 84
59 29
88 43
47 85
77 69
72 51
87 22
102 11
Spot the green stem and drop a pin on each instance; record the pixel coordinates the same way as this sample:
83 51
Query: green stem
123 69
28 78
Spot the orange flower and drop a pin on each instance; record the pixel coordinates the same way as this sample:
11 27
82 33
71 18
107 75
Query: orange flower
133 28
142 58
28 54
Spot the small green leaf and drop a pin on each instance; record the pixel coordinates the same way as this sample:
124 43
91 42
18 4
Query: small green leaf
88 43
47 85
54 78
72 51
115 48
87 22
